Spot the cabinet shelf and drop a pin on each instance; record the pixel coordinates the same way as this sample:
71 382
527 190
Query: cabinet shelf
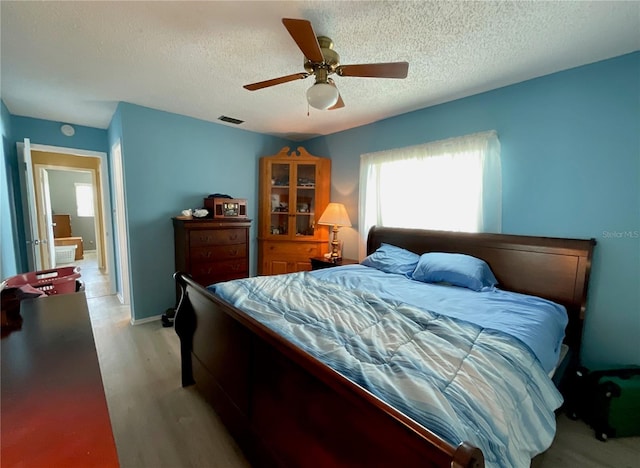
297 213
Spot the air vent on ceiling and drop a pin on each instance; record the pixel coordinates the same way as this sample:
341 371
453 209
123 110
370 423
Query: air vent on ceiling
224 118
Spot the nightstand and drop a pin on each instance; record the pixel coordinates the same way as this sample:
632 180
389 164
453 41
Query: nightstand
317 263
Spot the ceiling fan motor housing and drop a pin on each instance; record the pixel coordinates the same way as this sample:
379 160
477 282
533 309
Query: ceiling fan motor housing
331 58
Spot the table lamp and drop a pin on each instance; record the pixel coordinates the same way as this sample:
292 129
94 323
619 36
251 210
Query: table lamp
335 215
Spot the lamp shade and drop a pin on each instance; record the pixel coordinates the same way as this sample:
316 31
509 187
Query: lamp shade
335 215
322 96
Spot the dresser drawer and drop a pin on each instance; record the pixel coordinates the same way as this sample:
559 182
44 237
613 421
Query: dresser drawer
290 249
225 267
206 280
211 250
215 253
217 237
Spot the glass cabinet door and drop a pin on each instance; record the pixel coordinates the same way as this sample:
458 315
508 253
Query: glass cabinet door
305 190
280 184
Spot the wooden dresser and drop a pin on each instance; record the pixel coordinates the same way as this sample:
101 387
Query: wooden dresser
61 225
212 250
54 410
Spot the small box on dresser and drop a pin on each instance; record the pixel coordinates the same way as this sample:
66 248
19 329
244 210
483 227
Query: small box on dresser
212 250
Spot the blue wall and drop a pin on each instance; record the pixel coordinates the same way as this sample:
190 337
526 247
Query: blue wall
114 134
47 132
10 261
571 168
171 162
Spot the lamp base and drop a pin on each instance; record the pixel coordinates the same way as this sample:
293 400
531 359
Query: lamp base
335 246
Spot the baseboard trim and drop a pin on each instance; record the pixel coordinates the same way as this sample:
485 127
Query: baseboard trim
145 320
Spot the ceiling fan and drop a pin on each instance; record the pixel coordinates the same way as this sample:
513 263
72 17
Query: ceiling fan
322 61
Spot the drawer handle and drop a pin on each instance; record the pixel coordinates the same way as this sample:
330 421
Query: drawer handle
235 267
233 236
205 238
233 252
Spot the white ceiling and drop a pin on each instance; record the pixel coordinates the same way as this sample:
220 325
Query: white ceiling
74 61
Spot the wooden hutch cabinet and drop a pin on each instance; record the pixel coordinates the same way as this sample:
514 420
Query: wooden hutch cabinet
294 191
212 250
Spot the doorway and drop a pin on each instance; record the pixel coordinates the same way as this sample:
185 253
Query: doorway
99 265
73 194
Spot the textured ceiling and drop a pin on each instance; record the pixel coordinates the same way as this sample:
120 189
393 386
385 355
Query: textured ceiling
73 61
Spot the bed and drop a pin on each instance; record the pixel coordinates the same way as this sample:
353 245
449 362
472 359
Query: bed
286 406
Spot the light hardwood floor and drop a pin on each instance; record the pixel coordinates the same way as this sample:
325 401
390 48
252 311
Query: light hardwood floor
157 423
96 283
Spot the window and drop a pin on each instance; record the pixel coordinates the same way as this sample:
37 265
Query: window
84 199
452 185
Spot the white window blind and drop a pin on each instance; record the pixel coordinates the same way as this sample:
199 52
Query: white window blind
453 185
84 199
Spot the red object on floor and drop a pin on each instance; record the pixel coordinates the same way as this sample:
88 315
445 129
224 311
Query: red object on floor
53 407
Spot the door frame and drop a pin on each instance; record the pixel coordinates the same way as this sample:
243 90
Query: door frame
103 197
120 223
44 216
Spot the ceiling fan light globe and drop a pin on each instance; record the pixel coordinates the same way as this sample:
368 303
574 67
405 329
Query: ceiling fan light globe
322 96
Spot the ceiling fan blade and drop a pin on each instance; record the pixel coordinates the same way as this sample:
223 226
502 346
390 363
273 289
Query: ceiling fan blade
275 81
375 70
339 104
302 32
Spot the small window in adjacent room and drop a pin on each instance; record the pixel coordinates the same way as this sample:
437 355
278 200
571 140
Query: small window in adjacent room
452 185
84 200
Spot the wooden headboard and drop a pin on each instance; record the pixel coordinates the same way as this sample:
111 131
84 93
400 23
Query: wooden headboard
553 268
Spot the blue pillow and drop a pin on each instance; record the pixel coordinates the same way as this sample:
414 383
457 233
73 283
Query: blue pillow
456 269
392 259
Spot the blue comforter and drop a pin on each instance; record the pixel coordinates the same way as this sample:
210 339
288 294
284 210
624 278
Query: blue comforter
460 380
537 322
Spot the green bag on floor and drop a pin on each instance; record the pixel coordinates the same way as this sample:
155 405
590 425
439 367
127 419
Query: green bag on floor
610 402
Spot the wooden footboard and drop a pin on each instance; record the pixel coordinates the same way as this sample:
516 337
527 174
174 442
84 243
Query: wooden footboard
286 408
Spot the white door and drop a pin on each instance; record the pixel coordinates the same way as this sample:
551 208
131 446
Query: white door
48 218
34 258
120 218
